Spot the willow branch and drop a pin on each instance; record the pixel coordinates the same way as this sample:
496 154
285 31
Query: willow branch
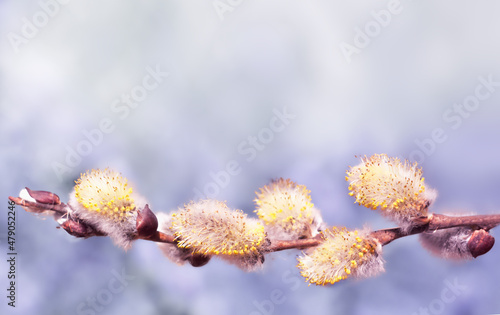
485 221
426 224
160 237
439 222
277 245
430 223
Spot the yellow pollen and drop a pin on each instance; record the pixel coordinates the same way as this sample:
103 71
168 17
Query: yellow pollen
105 192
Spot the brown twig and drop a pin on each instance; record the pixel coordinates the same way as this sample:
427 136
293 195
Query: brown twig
431 223
485 221
439 222
298 244
160 237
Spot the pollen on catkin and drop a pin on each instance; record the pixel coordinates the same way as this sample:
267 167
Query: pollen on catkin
209 227
104 199
342 254
287 210
396 188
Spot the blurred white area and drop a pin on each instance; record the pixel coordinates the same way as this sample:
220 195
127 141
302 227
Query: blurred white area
227 77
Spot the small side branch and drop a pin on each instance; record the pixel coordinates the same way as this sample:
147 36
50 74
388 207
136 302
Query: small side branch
160 237
277 246
485 221
439 222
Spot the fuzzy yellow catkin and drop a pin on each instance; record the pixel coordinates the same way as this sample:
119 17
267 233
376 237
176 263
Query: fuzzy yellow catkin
209 227
396 188
104 199
341 255
287 208
106 193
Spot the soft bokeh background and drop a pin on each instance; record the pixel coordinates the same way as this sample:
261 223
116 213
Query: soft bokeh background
227 77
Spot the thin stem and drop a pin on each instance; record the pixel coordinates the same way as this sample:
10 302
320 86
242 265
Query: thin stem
485 221
298 244
160 237
439 222
431 223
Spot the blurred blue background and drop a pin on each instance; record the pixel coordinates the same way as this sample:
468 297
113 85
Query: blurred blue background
355 78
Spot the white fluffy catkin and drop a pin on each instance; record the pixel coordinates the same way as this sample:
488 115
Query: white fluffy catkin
104 200
210 228
448 243
395 188
342 254
287 210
